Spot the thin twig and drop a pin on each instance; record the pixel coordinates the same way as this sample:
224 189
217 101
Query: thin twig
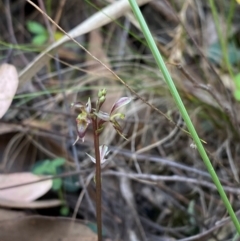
58 14
13 39
154 179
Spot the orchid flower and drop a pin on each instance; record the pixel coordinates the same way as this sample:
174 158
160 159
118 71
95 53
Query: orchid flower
83 119
112 118
103 153
87 113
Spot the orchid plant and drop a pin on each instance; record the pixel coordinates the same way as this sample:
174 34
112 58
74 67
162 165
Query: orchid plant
97 118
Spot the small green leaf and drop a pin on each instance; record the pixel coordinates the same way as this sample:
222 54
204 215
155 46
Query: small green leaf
237 81
41 167
40 39
57 184
36 28
214 53
58 162
64 211
46 167
237 95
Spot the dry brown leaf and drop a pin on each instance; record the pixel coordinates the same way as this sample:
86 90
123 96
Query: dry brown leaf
95 47
67 54
38 228
9 127
228 81
26 193
6 214
37 124
8 86
16 157
30 205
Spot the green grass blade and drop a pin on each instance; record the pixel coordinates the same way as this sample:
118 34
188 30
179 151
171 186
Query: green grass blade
182 109
222 38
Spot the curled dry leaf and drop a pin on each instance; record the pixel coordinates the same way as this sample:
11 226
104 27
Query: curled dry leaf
8 86
27 193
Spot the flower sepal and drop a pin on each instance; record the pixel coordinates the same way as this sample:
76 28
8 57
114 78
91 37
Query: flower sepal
120 103
103 150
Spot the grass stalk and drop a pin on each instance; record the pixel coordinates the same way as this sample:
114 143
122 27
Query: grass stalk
221 36
230 15
183 111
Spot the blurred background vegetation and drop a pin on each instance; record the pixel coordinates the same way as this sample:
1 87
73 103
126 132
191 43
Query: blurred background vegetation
155 185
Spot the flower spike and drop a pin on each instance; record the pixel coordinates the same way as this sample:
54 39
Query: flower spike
88 115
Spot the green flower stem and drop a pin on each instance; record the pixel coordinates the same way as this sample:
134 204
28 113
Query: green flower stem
182 109
98 180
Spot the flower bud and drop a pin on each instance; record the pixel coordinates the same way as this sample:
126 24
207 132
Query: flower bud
102 99
101 93
104 92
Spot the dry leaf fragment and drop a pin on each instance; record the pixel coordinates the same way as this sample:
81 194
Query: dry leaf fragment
38 228
27 193
6 214
8 86
30 205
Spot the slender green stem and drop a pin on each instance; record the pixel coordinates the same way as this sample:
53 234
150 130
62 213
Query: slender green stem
231 12
182 109
98 180
222 38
